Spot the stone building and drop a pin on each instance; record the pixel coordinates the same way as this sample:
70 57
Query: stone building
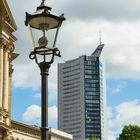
9 129
7 55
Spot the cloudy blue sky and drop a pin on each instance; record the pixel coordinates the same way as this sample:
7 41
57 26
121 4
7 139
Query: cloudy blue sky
119 22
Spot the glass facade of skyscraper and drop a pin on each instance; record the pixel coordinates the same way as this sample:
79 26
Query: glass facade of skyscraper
92 98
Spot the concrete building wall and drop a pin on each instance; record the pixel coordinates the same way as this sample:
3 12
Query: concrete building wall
71 97
104 99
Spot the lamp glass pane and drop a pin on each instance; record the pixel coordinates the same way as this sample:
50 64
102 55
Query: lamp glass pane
37 34
51 34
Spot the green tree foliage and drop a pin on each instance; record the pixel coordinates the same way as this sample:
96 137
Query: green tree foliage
130 132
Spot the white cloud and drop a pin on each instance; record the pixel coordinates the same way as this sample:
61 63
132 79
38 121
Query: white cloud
37 95
128 112
111 135
121 51
105 9
123 114
109 113
78 37
86 10
116 90
33 115
119 87
26 75
121 45
52 115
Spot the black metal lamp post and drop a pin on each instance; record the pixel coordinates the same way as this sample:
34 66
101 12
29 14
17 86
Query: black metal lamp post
44 26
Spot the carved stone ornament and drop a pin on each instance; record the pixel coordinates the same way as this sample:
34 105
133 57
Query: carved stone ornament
7 135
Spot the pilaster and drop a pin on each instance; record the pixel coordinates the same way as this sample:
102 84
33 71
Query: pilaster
10 87
11 57
1 24
1 60
5 79
6 55
1 75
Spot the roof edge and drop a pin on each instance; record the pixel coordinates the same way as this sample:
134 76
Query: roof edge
10 14
98 51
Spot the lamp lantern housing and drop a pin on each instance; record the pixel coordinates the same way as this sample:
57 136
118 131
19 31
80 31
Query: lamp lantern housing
44 26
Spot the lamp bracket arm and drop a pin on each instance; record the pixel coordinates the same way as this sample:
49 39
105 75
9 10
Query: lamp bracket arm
33 56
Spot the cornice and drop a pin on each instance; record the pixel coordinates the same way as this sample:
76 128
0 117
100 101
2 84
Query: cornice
8 29
7 22
7 14
25 129
4 126
14 56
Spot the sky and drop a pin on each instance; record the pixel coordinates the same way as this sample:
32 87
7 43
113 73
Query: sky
119 23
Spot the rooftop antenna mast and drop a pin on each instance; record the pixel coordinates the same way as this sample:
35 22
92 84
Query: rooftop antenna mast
100 38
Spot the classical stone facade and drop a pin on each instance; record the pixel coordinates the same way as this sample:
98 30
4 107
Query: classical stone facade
24 132
12 130
7 55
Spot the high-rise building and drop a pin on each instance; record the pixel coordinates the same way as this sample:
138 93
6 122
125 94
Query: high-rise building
82 96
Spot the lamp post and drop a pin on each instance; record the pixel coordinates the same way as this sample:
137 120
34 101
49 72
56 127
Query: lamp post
44 26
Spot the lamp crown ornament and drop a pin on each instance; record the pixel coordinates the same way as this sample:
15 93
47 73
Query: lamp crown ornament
43 1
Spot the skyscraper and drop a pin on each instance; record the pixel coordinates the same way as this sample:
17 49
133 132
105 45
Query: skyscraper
82 97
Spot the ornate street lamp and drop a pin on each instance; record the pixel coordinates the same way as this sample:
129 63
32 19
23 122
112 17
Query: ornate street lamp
44 26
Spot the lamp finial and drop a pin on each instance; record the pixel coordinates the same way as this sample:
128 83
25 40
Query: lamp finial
42 3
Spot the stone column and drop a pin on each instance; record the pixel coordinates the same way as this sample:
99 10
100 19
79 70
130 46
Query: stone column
1 23
1 60
1 74
10 88
6 79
